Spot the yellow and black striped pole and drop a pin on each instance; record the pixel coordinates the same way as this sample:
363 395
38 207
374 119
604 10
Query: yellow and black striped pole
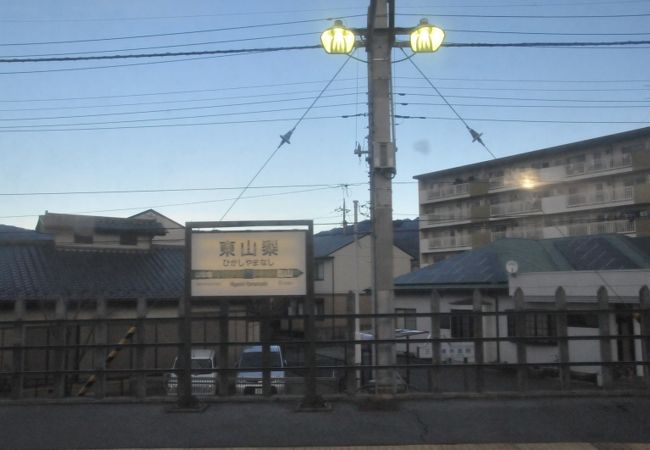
111 356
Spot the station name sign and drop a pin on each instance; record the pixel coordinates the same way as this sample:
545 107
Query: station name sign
248 263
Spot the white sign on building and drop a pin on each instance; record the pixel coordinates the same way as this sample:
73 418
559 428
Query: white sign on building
248 263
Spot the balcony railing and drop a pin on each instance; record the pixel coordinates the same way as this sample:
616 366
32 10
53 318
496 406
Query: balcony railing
528 233
598 165
437 243
599 197
450 190
611 226
504 209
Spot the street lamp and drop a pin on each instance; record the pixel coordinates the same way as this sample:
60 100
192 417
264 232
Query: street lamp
426 38
379 40
338 39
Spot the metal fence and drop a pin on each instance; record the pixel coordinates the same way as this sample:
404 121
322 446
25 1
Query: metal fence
98 358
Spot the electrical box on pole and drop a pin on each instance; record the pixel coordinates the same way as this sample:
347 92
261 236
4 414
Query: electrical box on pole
384 156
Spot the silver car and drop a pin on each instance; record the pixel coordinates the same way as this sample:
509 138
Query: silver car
249 376
204 374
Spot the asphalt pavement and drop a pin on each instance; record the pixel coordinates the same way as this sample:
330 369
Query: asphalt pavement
117 425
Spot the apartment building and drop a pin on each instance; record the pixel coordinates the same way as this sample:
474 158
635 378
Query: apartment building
595 186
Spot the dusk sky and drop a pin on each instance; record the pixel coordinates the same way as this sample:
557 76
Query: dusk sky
195 129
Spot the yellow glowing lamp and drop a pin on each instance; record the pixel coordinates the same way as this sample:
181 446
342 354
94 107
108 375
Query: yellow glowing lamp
426 38
338 39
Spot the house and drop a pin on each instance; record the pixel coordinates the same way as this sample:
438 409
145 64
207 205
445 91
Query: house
87 267
586 268
595 186
175 231
343 266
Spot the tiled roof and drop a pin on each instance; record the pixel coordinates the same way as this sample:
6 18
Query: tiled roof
405 237
486 265
50 221
9 234
42 271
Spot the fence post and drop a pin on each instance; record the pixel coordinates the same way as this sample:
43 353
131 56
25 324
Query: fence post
644 300
561 322
60 351
185 398
224 335
435 343
477 309
520 332
350 371
18 353
140 350
101 340
265 335
605 341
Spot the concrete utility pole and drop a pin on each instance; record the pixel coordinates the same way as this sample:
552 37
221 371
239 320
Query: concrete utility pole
381 149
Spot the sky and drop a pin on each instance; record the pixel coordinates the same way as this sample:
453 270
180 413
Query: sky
185 134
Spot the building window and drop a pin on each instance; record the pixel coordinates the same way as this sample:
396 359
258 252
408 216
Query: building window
541 326
128 239
81 238
406 322
462 323
319 271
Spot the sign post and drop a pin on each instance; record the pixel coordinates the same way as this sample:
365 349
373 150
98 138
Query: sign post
248 259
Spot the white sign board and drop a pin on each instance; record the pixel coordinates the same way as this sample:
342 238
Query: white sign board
248 263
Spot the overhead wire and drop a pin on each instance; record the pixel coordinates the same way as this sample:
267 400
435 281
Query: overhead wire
175 33
285 139
476 137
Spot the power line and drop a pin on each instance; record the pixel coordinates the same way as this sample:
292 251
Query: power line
188 108
199 202
285 139
163 102
190 91
310 47
200 189
193 44
176 33
162 119
157 55
542 44
476 137
536 99
566 122
530 16
173 125
188 16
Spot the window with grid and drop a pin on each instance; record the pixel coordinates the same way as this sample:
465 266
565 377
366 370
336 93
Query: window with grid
462 323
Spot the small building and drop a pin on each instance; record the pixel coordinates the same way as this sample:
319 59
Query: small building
87 267
343 268
583 269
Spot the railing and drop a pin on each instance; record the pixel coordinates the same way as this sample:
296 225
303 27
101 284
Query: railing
461 352
612 226
598 165
438 243
599 197
528 233
449 190
505 209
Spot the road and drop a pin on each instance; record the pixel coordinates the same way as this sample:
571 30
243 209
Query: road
347 423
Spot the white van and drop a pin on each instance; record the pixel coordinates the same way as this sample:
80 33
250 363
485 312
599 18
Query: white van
249 382
204 374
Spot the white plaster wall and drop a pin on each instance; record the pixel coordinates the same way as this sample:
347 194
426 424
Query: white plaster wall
584 284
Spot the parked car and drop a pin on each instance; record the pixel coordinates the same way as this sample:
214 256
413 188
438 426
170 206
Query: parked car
204 374
249 376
